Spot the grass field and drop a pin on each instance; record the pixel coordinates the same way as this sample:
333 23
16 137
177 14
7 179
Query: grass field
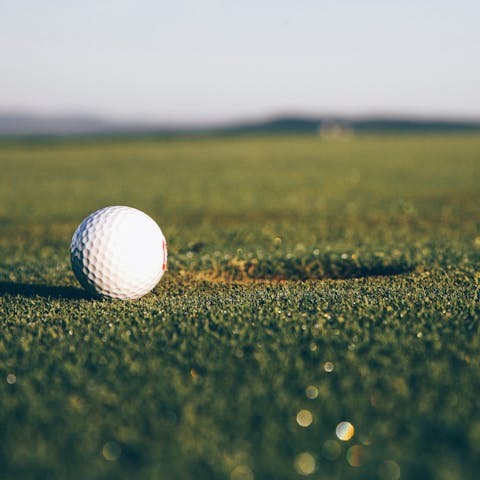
310 282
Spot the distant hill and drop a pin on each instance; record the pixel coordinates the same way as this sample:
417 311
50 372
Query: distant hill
21 125
314 125
25 124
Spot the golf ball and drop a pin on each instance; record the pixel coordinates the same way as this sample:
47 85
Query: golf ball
118 252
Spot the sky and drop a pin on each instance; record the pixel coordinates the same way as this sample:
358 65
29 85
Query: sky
185 61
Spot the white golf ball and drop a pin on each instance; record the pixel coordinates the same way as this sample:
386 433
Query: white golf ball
118 252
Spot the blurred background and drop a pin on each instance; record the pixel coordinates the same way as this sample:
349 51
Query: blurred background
124 65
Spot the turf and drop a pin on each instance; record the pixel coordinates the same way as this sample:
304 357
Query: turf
310 282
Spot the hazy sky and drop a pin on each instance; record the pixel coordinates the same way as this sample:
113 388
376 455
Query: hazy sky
212 59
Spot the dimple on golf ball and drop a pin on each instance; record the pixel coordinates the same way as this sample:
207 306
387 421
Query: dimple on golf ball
118 252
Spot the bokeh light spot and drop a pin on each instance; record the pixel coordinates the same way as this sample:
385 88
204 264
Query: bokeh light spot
331 450
304 418
111 451
241 472
356 456
305 463
365 439
311 392
389 470
345 431
328 367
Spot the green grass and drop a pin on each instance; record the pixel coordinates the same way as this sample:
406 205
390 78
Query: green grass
284 254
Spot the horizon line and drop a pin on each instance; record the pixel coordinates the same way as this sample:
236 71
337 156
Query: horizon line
147 121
